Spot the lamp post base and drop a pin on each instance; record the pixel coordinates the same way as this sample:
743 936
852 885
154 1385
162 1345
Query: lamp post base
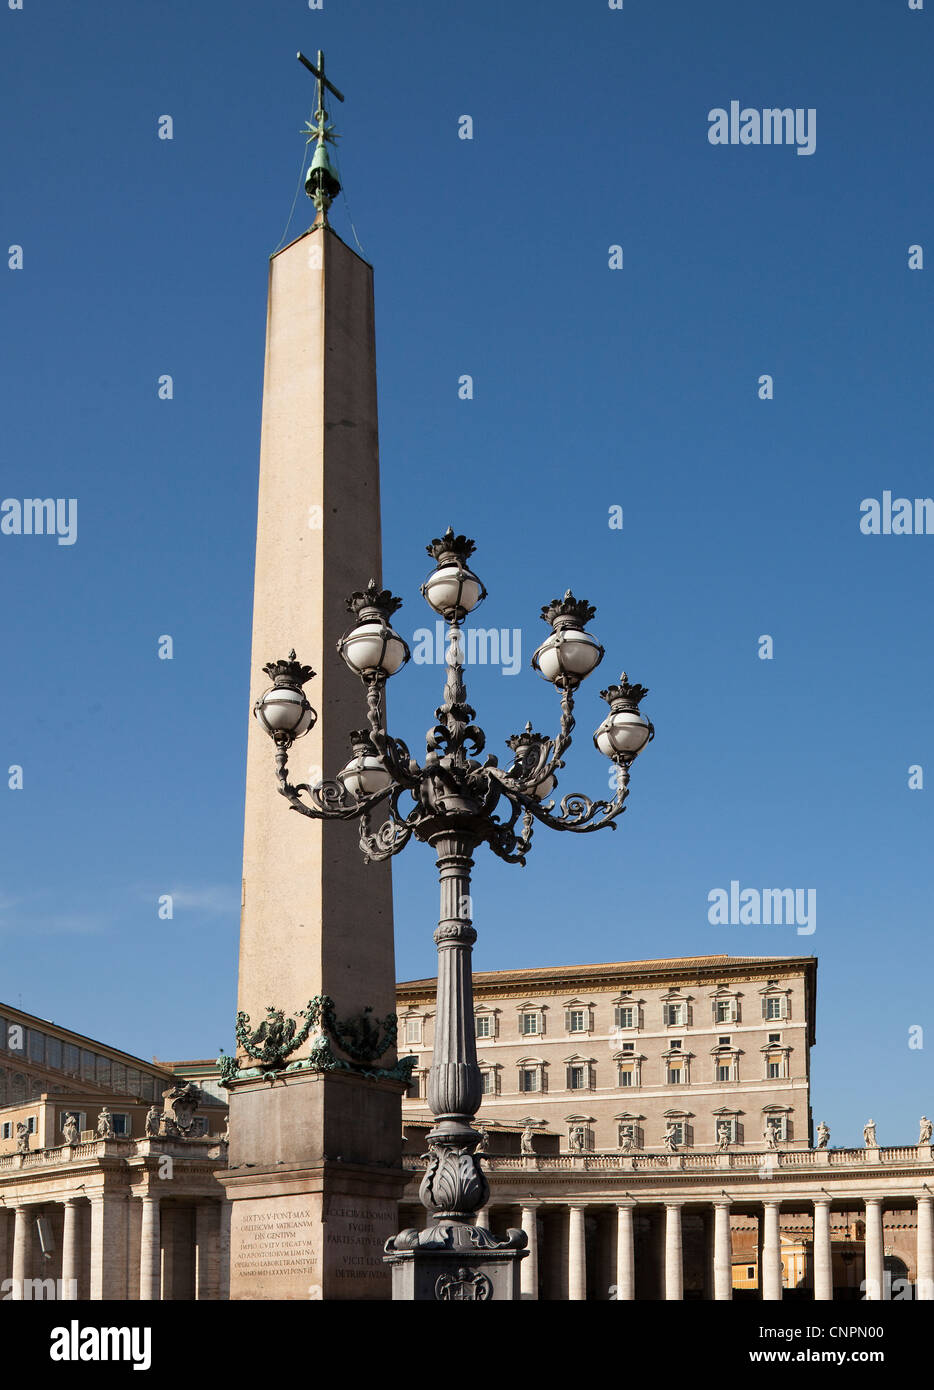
452 1261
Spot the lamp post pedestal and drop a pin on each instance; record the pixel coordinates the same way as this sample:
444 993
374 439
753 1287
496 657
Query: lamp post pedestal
460 1272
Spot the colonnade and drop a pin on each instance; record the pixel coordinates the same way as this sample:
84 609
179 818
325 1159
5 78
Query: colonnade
115 1245
568 1222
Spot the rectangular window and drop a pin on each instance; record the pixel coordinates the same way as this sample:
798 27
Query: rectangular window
148 1087
775 1037
484 1028
678 1136
53 1053
528 1079
36 1044
674 1075
71 1060
31 1124
528 1024
723 1042
133 1081
576 1021
575 1078
674 1015
625 1076
724 1010
629 1047
724 1071
103 1071
88 1065
675 1044
121 1123
773 1008
413 1030
775 1071
626 1016
750 1271
486 1082
118 1076
6 1132
412 1092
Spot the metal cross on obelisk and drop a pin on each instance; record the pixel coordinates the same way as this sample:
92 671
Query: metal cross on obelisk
321 182
322 83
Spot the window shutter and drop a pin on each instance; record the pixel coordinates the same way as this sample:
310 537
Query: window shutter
786 1006
765 1007
734 1010
543 1079
617 1017
567 1020
688 1134
688 1014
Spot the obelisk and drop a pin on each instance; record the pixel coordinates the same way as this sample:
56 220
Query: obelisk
314 1159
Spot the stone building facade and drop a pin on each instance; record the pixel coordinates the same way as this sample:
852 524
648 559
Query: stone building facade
695 1054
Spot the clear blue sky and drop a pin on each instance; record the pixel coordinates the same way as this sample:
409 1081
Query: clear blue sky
593 388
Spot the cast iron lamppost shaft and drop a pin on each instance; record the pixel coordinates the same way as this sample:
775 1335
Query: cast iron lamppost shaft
452 803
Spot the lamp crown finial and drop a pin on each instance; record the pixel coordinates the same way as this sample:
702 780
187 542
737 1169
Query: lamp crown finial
625 693
576 612
450 547
373 602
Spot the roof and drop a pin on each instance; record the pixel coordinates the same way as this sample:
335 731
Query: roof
612 969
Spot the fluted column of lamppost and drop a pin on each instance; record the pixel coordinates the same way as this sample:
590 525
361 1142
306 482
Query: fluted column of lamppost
457 804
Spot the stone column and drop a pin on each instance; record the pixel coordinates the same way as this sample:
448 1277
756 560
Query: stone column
771 1254
674 1270
528 1270
150 1251
223 1250
21 1238
577 1255
625 1253
206 1252
874 1255
823 1262
71 1249
108 1245
4 1236
924 1288
722 1251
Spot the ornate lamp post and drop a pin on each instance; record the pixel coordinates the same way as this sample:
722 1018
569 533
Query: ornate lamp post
454 803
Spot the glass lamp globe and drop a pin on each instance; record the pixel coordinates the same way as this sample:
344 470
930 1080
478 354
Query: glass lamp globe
625 731
373 648
568 654
364 774
453 589
283 710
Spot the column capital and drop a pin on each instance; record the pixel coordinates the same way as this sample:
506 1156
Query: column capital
924 1197
824 1201
674 1203
873 1201
528 1206
625 1202
579 1204
721 1201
